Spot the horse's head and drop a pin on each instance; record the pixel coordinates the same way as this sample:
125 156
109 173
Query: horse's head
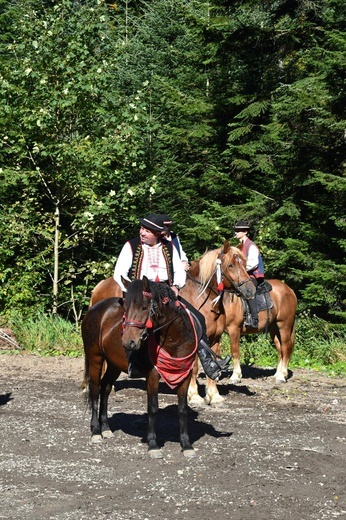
141 310
232 271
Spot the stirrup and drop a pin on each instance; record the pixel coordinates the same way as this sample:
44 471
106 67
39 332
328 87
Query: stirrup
221 362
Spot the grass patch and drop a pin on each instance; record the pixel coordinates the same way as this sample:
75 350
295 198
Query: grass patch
46 335
319 345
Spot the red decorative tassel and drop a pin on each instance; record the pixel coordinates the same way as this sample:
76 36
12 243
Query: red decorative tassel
220 287
149 324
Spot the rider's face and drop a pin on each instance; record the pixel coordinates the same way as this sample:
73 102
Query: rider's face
240 234
149 237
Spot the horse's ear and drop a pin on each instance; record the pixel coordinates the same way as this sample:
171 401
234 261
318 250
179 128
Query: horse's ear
226 247
145 282
125 282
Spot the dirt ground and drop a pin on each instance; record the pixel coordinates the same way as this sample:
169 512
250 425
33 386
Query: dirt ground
268 452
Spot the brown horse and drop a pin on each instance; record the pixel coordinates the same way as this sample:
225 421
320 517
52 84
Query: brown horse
153 323
107 288
227 315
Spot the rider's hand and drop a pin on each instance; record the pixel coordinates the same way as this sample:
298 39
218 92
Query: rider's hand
175 290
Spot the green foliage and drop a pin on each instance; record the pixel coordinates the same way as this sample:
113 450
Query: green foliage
320 344
211 112
46 335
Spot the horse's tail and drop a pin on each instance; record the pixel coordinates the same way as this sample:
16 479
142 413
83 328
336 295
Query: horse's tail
293 333
86 379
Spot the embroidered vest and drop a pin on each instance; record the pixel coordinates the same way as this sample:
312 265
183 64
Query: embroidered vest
259 271
137 259
175 241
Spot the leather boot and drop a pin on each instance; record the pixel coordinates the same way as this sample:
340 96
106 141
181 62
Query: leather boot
211 366
251 320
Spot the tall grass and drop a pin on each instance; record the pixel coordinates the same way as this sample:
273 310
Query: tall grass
46 335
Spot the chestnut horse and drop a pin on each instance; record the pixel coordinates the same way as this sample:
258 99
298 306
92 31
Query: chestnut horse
152 322
228 316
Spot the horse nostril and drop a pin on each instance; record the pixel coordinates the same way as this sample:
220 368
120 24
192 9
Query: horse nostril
249 293
132 344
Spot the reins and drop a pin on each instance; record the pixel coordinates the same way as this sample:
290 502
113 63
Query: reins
235 285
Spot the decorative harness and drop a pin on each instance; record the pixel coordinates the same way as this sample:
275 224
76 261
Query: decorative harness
220 276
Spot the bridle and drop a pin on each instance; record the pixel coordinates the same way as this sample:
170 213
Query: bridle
147 326
220 273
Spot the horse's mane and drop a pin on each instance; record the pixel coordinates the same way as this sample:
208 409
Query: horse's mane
134 292
207 262
158 291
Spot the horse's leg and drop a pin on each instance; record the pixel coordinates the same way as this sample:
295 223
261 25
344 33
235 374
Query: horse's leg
234 336
95 369
194 399
153 406
283 338
183 416
107 382
212 395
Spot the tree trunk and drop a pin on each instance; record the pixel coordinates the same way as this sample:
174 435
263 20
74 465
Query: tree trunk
56 261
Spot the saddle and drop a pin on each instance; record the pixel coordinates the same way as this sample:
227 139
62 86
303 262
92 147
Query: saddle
262 299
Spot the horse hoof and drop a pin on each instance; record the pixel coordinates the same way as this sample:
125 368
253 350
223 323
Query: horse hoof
107 434
190 454
95 439
196 400
155 454
216 399
279 378
234 380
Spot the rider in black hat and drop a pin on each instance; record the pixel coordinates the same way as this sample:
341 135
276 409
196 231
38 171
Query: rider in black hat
254 265
173 237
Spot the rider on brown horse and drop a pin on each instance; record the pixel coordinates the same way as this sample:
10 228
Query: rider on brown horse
159 261
254 266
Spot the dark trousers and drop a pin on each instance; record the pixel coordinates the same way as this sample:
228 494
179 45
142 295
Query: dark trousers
252 303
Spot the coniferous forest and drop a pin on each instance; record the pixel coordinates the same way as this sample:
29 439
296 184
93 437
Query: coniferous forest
211 111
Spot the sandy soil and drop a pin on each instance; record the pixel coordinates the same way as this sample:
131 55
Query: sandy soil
268 452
